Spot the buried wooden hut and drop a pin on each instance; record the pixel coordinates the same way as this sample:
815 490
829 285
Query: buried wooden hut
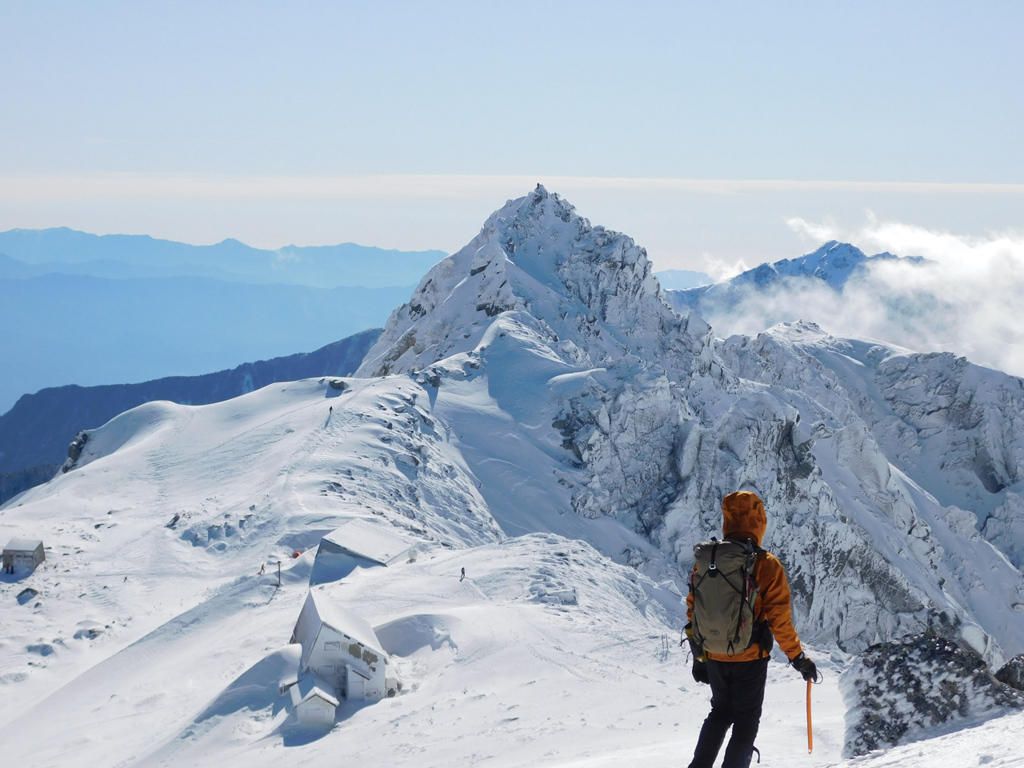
22 554
312 699
342 649
356 544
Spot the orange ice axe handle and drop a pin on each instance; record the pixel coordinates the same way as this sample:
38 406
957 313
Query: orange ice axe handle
810 738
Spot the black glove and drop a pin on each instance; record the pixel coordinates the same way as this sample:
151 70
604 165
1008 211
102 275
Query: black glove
700 672
805 667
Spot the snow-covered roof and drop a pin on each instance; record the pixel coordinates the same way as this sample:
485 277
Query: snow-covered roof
320 610
23 545
368 540
310 685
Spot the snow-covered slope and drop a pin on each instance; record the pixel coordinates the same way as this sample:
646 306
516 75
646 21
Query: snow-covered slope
153 640
37 430
540 416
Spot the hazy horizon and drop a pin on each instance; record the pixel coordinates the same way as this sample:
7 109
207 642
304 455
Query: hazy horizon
697 130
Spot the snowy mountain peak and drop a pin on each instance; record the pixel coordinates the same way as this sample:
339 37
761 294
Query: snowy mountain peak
833 260
563 327
589 292
834 264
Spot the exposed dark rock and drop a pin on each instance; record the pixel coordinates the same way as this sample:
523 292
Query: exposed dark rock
1012 672
74 451
896 692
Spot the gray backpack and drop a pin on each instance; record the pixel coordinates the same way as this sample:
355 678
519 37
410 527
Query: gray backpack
724 591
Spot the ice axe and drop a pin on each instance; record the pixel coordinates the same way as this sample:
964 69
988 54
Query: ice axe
810 738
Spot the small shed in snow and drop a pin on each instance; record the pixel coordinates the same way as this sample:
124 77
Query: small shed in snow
23 553
312 699
342 649
356 544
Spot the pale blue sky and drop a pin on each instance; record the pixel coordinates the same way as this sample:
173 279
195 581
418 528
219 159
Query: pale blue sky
255 105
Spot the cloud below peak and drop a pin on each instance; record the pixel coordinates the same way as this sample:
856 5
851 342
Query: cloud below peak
965 299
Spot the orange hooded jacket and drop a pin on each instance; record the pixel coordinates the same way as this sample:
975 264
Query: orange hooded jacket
743 517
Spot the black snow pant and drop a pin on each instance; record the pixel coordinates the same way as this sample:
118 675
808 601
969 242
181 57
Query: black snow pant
737 693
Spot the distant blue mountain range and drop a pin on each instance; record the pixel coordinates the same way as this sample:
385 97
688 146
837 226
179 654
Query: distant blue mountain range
84 309
834 263
32 253
75 329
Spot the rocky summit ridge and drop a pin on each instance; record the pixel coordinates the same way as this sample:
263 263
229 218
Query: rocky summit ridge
590 286
893 480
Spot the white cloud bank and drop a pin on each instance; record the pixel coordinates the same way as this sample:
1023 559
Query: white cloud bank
966 299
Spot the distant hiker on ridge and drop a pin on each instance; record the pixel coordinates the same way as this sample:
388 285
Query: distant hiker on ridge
739 598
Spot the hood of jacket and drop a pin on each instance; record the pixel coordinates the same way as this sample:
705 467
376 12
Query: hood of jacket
743 516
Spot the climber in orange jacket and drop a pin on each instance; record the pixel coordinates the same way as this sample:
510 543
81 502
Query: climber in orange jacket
738 680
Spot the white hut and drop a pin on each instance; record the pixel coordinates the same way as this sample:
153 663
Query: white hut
312 699
342 649
23 553
356 544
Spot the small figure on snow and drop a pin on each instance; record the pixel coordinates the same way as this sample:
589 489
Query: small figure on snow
463 576
263 569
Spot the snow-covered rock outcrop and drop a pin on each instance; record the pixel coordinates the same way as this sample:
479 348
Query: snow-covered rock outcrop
566 320
890 478
896 692
587 285
1012 672
905 443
